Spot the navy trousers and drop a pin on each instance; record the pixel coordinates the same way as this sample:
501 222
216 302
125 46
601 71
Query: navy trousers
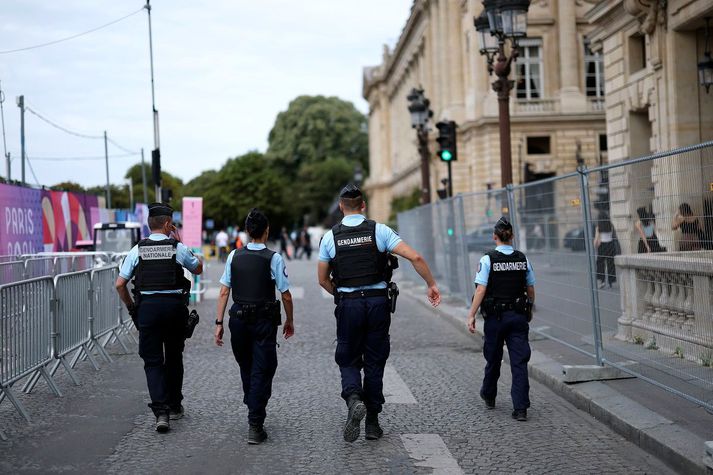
254 346
162 326
511 329
363 344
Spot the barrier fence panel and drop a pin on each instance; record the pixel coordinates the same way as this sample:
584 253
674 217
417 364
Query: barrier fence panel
25 334
11 271
105 314
39 267
74 297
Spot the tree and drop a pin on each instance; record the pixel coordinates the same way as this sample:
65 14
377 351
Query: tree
168 182
319 141
119 195
68 186
201 183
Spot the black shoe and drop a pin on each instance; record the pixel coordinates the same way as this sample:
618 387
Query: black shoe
372 429
489 402
256 434
520 415
357 411
162 423
177 413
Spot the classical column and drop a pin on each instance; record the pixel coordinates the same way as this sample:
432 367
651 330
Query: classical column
571 97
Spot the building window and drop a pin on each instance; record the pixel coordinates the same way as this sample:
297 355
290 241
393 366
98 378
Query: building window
637 52
593 72
529 69
603 147
538 145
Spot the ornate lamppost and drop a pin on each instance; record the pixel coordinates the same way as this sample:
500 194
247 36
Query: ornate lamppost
705 67
502 20
419 108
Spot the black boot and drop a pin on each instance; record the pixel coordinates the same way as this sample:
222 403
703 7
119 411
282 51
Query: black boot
372 429
256 434
357 411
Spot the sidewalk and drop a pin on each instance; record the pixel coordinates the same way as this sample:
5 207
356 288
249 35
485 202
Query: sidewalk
659 422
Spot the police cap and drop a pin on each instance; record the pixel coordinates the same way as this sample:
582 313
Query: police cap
160 209
350 191
503 224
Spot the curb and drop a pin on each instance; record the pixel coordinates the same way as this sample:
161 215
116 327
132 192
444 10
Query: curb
677 447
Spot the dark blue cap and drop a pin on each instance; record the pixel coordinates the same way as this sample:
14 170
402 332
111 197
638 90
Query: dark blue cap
160 209
503 224
350 191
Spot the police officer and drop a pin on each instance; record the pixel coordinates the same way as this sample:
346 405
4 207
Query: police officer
160 311
504 293
356 253
252 273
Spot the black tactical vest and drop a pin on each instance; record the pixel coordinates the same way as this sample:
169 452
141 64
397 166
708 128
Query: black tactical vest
157 268
508 276
250 277
357 260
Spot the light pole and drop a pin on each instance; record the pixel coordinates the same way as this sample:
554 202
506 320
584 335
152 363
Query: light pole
705 66
500 21
156 152
419 108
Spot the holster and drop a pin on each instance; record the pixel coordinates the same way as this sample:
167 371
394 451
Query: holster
191 322
252 313
393 295
135 313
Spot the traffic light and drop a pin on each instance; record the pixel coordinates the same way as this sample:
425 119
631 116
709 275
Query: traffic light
447 141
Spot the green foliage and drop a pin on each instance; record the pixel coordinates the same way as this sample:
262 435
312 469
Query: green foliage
319 185
707 359
68 186
242 183
638 340
168 182
404 203
119 195
651 344
678 352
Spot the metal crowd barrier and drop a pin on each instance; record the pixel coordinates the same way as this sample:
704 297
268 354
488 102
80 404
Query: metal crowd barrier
44 320
623 257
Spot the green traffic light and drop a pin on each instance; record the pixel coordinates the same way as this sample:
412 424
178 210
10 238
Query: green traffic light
446 155
450 231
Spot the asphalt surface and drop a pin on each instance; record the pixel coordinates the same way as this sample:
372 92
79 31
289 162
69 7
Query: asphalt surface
434 421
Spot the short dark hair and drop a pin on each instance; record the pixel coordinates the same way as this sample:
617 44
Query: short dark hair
504 234
352 204
256 223
157 222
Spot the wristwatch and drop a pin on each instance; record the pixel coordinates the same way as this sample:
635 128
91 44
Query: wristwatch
218 322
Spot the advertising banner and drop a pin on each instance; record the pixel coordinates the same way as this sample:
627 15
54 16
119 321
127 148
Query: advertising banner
20 220
67 218
192 222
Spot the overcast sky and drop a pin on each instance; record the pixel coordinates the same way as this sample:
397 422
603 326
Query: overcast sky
224 69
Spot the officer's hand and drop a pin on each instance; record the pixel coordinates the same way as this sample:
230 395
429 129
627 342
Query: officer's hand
219 335
288 329
434 295
471 323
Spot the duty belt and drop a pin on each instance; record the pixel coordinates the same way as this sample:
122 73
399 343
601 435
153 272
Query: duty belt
357 294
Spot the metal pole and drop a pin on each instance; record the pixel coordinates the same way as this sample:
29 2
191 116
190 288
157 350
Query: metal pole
591 261
450 179
503 86
425 166
463 233
9 167
131 194
106 160
21 105
512 213
156 139
143 177
4 140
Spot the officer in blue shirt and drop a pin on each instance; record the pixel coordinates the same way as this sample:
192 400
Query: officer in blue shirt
356 253
160 312
252 273
505 292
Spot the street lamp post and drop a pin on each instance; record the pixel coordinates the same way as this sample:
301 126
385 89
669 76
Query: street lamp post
705 67
156 152
419 108
502 20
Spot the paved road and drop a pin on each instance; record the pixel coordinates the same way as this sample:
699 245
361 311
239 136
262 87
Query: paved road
434 421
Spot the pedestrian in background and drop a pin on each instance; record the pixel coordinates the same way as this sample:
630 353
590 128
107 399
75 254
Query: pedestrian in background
251 274
690 226
356 254
284 242
505 293
607 247
305 243
160 311
646 228
221 242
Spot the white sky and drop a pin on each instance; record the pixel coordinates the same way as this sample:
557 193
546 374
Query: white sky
224 69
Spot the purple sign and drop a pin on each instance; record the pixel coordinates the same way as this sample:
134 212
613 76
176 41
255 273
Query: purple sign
20 220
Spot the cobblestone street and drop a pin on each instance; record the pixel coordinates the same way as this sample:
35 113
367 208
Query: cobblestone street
434 421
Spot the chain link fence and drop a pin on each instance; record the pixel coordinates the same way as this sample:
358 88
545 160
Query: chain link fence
623 256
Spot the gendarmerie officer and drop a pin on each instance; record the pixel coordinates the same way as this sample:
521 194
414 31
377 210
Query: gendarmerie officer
252 273
356 253
505 293
160 312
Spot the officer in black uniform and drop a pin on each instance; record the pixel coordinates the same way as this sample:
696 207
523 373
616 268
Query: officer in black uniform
160 311
356 253
504 294
252 273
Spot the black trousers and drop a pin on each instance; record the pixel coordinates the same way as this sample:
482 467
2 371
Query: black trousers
254 345
606 271
162 326
363 343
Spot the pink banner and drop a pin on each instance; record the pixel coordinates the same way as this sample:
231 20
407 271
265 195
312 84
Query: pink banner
67 218
192 221
20 220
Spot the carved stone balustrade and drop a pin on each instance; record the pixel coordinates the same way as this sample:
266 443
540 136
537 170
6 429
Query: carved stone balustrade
667 302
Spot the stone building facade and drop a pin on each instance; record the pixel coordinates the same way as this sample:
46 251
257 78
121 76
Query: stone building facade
557 106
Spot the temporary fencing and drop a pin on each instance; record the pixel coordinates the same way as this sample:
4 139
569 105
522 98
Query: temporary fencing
44 320
623 256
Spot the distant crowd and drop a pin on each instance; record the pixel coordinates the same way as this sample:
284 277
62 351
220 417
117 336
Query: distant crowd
295 244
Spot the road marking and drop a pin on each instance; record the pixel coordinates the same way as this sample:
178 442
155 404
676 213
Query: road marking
297 292
395 389
431 452
326 294
211 293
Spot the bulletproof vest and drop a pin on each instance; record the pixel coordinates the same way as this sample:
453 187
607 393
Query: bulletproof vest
357 260
507 280
251 278
157 268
